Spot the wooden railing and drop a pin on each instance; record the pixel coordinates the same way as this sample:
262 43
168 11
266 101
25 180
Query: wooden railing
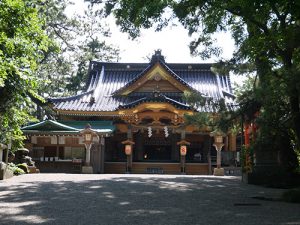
161 168
196 168
156 168
114 167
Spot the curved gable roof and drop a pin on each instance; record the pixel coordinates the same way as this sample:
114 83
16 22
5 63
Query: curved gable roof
153 68
107 80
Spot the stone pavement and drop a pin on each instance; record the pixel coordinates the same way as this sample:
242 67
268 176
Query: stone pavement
140 199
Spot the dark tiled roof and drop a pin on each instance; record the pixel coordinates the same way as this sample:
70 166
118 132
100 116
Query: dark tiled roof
162 63
107 78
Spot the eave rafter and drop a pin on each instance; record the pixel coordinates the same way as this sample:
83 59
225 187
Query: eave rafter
155 111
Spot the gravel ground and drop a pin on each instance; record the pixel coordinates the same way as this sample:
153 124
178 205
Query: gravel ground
140 199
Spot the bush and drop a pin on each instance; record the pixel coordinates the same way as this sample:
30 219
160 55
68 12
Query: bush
24 167
16 170
292 196
273 176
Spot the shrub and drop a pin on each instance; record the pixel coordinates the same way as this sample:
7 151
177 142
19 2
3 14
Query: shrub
24 167
16 170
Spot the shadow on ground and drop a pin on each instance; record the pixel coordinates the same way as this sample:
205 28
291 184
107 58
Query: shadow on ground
105 199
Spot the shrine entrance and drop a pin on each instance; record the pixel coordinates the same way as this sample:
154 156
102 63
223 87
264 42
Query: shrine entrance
157 153
157 148
153 135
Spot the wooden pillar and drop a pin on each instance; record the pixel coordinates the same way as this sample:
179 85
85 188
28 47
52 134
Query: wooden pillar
139 146
129 163
183 150
129 132
182 164
226 143
175 152
57 146
129 157
182 158
128 151
102 154
182 134
232 142
207 145
247 138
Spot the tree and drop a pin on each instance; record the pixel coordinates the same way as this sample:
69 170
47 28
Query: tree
22 43
267 37
92 47
80 38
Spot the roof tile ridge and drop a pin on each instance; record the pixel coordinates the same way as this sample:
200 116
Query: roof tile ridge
90 87
133 79
179 78
70 97
173 73
98 86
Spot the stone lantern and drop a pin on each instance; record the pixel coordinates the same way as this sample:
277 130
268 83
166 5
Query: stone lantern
2 147
218 144
88 135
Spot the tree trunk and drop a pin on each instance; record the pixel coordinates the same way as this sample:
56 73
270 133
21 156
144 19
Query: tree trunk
295 110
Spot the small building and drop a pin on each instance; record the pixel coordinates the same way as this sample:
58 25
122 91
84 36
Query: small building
136 115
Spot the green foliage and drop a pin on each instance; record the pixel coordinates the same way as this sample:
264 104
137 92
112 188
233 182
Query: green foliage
80 39
24 167
22 41
267 39
132 15
16 170
39 55
92 47
247 159
211 114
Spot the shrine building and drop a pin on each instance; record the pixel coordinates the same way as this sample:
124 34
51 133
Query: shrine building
130 119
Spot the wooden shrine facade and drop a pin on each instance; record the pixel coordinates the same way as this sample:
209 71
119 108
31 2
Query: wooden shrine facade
137 114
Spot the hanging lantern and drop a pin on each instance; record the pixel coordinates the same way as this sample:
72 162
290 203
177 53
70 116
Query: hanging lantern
218 139
88 137
183 150
128 146
183 147
128 149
